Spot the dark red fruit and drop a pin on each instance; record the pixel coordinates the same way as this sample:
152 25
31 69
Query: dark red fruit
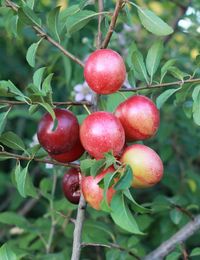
70 156
71 185
105 71
64 137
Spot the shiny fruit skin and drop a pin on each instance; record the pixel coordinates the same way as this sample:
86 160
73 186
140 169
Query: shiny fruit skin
92 193
139 116
64 137
70 156
105 71
71 185
146 165
102 132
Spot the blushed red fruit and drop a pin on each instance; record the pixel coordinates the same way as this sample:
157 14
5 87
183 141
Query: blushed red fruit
139 117
105 71
64 137
70 156
71 185
145 163
102 132
92 193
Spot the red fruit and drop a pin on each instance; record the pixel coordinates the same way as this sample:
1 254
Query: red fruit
102 132
139 116
70 156
92 193
71 185
105 71
61 139
146 165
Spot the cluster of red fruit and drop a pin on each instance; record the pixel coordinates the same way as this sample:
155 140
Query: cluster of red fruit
137 118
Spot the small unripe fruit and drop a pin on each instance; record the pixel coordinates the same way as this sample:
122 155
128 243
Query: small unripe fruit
139 116
105 71
145 163
71 185
70 156
102 132
64 137
92 193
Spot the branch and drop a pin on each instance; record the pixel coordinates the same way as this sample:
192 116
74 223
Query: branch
76 250
112 245
25 158
67 103
162 85
183 234
44 35
106 41
99 36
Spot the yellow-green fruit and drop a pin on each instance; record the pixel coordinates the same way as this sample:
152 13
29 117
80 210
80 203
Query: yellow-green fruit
145 163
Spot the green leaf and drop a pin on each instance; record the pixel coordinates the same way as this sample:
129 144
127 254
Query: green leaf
3 117
28 16
30 3
79 20
176 216
7 88
109 159
197 60
11 218
177 73
122 216
13 141
21 179
137 208
126 180
6 253
165 96
64 15
37 77
49 109
196 104
85 165
31 52
165 68
139 66
152 22
52 23
46 85
153 58
97 167
195 252
108 182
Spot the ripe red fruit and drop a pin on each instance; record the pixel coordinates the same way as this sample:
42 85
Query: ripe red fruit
92 193
139 116
71 185
105 71
70 156
102 132
64 137
146 165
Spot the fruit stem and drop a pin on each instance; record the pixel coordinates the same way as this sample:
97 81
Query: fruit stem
86 108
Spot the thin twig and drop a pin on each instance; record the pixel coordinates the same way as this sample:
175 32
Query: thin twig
112 24
183 234
53 221
44 35
64 103
25 158
76 250
112 245
99 35
162 85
